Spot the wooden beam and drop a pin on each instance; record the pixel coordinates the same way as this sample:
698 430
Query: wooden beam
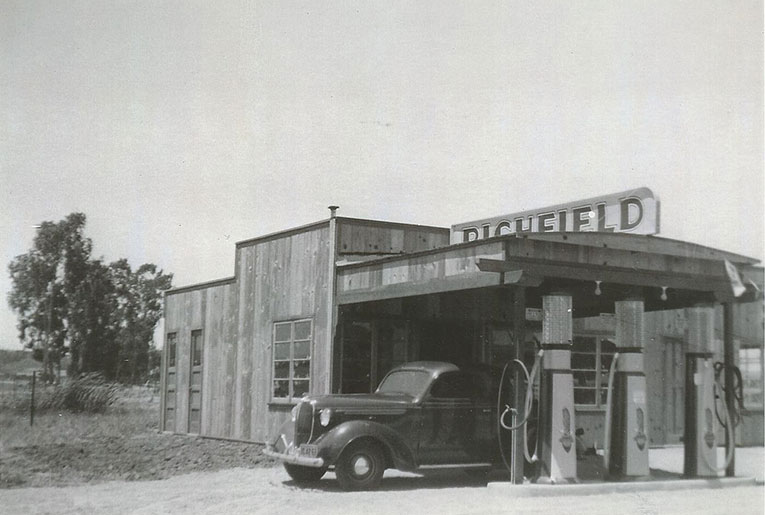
510 274
607 274
465 281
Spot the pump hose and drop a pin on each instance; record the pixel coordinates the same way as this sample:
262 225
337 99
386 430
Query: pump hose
738 393
499 418
507 407
609 402
528 404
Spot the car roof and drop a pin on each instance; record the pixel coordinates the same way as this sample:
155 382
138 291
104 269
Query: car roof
432 367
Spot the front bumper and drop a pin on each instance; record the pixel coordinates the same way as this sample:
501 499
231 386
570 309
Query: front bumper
293 458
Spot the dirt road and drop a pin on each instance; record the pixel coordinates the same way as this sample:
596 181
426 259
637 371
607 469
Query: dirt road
269 491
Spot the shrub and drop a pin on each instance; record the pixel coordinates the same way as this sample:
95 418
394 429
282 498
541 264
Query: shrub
90 393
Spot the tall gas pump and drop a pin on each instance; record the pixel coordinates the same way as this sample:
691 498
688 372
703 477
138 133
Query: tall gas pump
557 445
699 432
627 453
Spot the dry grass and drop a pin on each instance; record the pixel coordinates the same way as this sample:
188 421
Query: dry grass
123 443
135 411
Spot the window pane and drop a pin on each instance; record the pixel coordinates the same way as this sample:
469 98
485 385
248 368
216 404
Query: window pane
584 344
584 378
302 369
751 373
302 350
281 388
196 348
171 349
300 388
282 350
282 332
281 370
579 360
303 330
584 396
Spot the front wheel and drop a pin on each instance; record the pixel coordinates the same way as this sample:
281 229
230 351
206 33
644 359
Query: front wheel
302 474
360 466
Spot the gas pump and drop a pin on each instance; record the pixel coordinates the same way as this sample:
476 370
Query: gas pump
700 459
626 433
556 431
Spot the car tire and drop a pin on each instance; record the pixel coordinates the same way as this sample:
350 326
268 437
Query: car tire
302 474
360 466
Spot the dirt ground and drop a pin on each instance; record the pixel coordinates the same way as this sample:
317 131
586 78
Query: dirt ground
103 458
268 490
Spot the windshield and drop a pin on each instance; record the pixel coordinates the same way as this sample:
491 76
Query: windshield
411 382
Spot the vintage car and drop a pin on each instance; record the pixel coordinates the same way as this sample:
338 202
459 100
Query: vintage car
423 414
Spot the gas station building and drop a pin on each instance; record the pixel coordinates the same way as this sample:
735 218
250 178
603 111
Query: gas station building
332 306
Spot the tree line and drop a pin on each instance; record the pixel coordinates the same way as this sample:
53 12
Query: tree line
68 302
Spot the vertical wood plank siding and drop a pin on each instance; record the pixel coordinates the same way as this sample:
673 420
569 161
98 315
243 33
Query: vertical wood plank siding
366 237
278 279
283 276
183 313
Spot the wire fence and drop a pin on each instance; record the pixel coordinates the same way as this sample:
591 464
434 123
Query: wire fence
15 390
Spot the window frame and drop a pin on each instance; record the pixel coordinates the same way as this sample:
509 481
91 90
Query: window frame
194 349
171 339
600 371
752 375
291 379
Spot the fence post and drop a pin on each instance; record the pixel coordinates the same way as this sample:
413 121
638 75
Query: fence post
32 404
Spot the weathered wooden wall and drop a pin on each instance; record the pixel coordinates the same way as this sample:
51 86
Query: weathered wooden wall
219 359
283 278
366 237
183 314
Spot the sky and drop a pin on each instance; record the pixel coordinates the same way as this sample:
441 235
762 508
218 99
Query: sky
182 127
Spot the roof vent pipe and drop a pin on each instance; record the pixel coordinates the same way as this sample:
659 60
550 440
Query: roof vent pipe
333 211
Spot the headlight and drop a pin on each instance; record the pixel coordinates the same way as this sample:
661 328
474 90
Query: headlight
293 413
324 417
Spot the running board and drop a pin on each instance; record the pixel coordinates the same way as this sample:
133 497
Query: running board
456 466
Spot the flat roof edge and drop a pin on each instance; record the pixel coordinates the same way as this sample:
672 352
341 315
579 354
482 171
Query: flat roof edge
201 286
281 234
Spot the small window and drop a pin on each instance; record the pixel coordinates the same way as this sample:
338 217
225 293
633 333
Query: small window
197 347
750 364
171 340
292 359
590 361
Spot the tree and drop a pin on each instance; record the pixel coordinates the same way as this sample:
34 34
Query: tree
139 309
44 280
104 316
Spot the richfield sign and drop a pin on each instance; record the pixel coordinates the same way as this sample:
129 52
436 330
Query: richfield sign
633 211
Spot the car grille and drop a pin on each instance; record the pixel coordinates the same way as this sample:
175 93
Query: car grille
304 423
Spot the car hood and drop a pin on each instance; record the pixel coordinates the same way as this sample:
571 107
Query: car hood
353 402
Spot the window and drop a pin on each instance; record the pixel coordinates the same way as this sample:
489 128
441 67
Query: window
292 359
452 385
750 363
196 348
171 340
591 358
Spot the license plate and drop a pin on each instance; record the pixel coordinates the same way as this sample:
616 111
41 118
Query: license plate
308 450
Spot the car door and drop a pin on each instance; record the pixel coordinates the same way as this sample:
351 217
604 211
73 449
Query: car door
447 423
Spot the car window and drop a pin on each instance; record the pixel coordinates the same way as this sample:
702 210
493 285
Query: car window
452 385
412 382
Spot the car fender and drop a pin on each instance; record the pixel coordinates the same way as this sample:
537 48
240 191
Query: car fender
333 442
